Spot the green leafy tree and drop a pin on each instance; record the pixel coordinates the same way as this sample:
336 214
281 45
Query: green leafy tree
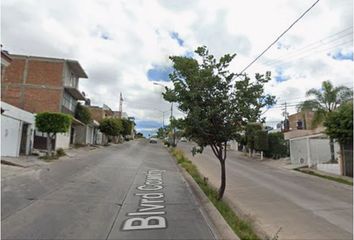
127 127
215 108
52 123
277 146
251 135
162 132
261 141
339 126
139 135
82 114
325 101
111 126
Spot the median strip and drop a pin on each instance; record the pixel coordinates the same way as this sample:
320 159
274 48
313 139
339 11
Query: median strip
241 228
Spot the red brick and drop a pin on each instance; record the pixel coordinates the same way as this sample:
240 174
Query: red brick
42 100
45 73
11 95
14 72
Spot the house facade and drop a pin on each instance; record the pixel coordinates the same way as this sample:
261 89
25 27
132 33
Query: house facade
309 145
97 115
41 84
17 131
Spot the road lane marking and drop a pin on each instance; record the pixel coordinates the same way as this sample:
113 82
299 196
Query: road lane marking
148 204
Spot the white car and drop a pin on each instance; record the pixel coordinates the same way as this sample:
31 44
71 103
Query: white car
183 139
153 140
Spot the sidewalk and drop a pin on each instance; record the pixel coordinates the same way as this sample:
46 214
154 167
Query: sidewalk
15 166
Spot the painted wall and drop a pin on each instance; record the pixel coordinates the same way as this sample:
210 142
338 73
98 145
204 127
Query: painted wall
89 135
10 136
62 140
319 151
11 130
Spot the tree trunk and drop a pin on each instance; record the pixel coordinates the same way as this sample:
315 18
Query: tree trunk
223 179
220 153
331 145
49 145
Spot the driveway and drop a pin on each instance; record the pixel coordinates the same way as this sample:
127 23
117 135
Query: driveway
302 206
128 191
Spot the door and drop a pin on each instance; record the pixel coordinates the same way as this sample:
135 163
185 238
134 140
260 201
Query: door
72 135
23 144
10 134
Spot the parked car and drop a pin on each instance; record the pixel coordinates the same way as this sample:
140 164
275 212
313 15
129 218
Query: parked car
153 140
183 139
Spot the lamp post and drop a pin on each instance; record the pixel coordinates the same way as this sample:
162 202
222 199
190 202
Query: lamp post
163 116
174 129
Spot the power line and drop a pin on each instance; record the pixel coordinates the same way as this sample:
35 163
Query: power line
277 39
311 51
281 63
297 52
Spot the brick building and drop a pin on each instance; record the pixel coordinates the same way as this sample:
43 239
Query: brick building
41 84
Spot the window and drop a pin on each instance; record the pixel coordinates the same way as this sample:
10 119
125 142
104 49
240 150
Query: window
69 102
73 80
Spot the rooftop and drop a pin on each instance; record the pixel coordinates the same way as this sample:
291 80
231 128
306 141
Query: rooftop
73 64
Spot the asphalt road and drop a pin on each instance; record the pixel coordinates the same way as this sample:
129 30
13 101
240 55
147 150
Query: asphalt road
129 191
302 206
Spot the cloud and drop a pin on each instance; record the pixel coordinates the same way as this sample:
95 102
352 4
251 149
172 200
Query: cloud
123 45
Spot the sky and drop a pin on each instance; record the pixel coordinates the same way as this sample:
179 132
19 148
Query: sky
124 45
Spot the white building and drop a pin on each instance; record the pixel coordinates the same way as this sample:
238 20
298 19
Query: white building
17 128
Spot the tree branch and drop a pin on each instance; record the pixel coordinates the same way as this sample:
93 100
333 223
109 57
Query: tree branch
214 150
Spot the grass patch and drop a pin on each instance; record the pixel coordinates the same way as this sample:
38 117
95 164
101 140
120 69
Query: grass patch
58 153
241 227
49 158
332 178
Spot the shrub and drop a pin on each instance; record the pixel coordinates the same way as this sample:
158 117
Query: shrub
111 126
60 152
277 146
52 123
82 113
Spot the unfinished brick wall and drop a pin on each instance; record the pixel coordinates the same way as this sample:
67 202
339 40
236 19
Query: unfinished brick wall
11 95
42 100
14 72
35 86
97 113
45 73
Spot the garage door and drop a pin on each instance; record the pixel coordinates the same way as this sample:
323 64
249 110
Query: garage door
10 136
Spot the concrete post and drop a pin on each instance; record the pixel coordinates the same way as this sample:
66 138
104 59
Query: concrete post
308 152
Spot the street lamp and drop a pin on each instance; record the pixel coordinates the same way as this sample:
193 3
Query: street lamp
163 116
174 129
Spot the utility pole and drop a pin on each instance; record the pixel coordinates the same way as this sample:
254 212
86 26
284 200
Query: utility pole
286 115
121 104
174 129
163 120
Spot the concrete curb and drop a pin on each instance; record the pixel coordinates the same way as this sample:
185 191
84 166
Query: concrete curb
11 163
306 170
260 232
221 229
